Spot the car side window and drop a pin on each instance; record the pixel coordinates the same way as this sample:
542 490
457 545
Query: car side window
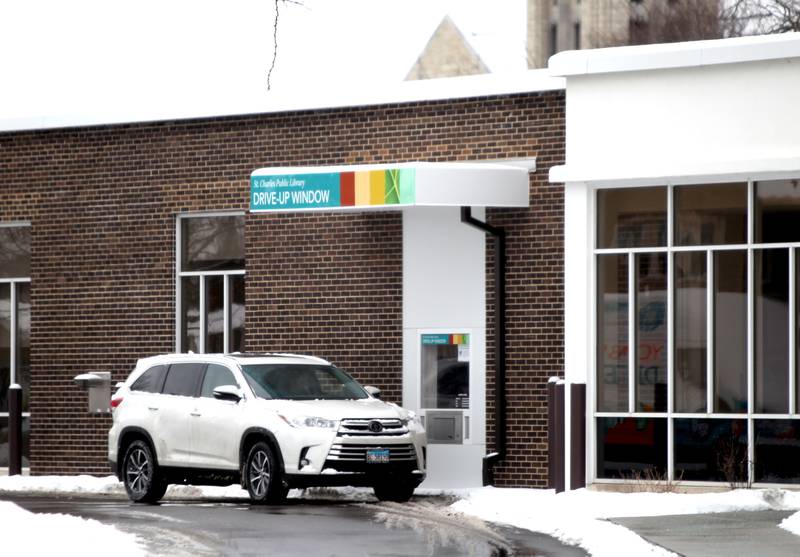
151 380
183 379
216 376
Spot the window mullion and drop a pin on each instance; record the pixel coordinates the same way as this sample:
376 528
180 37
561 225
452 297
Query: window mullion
631 332
13 333
226 314
710 342
750 369
201 344
792 335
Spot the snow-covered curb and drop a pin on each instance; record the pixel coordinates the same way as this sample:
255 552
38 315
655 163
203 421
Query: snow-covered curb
579 517
26 533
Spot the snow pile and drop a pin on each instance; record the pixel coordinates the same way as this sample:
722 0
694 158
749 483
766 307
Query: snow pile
578 517
26 533
792 524
110 485
62 485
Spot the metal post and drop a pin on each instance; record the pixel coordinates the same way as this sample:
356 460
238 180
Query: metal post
14 430
578 436
559 451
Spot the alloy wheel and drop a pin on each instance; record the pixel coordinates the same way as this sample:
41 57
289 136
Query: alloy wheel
138 471
259 474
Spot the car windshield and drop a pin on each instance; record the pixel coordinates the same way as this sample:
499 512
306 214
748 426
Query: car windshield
302 382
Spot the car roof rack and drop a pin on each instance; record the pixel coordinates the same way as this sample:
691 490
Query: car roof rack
274 355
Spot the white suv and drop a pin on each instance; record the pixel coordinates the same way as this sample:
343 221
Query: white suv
268 421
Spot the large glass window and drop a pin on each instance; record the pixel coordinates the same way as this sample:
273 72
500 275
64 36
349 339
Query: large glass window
15 328
777 211
777 451
632 218
710 214
631 448
211 284
711 450
713 318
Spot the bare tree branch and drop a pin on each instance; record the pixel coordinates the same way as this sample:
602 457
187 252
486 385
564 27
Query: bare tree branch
275 37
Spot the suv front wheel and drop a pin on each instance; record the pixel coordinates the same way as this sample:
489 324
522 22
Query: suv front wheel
140 474
262 476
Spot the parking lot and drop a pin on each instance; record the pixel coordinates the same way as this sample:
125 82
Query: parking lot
320 527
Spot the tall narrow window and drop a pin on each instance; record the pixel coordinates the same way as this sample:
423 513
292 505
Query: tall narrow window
691 339
15 329
730 331
651 332
772 331
612 325
211 284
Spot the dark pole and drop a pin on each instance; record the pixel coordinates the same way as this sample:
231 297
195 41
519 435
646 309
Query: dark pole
14 430
499 342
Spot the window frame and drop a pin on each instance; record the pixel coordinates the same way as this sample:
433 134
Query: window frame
13 283
750 248
202 275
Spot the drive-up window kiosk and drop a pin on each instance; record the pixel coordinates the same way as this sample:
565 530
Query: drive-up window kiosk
444 283
444 377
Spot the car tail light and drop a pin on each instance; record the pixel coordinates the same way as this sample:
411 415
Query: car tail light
116 401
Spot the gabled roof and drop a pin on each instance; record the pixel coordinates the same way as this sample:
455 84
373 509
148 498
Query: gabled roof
447 54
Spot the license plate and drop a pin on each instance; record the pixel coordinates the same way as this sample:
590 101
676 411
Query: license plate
377 456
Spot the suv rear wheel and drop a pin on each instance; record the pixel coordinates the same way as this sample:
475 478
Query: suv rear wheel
140 473
262 476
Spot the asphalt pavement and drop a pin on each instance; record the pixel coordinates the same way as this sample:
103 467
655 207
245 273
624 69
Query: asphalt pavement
307 528
732 534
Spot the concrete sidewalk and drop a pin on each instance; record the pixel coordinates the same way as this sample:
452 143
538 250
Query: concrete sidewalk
733 534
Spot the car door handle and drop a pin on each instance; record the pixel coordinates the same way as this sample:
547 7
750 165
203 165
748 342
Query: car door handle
152 408
195 413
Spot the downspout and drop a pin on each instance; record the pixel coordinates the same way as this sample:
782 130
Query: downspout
490 460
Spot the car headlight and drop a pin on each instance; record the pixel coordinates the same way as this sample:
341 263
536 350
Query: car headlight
412 419
310 421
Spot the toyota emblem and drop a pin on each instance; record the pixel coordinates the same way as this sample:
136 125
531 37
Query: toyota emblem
375 426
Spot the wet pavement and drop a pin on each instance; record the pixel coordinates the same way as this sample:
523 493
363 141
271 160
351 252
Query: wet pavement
732 534
310 528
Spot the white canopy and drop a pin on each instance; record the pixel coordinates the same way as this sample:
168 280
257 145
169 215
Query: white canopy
391 186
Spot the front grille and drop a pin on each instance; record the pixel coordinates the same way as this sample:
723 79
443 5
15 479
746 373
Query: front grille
363 427
358 453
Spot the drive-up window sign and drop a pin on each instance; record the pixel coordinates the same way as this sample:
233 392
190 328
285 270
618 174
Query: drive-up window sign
368 188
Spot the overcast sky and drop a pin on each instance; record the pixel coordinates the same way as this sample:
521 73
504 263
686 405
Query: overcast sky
79 56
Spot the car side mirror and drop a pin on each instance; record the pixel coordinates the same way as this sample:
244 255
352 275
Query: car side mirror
373 391
228 392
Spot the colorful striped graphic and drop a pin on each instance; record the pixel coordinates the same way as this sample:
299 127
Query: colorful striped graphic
366 188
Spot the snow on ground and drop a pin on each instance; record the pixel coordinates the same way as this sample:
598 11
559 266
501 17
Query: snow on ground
792 524
578 517
26 533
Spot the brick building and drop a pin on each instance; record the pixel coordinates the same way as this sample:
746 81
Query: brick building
120 240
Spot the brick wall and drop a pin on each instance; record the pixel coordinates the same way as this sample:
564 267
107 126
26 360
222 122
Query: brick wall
102 202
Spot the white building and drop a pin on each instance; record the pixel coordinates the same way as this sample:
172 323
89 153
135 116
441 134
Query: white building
682 204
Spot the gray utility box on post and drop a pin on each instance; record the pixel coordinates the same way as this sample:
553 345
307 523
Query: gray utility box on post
98 383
